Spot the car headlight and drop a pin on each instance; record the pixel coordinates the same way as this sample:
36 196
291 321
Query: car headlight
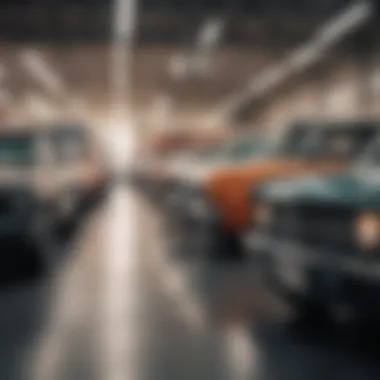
263 214
367 231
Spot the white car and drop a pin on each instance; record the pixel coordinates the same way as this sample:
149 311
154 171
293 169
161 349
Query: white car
46 174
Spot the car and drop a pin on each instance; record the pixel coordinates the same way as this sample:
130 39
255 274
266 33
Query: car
317 241
79 154
47 173
204 162
189 164
153 171
220 202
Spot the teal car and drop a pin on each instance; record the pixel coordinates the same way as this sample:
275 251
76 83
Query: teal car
317 240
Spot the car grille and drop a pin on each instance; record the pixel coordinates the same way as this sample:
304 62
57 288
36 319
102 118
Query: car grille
326 226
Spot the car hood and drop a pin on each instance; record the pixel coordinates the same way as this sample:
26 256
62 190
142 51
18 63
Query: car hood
359 187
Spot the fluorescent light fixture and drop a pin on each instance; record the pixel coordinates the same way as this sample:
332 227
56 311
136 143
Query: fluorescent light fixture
345 22
124 24
36 66
268 79
196 61
210 33
301 58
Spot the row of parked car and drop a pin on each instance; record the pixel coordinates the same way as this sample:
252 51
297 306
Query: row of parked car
304 207
48 174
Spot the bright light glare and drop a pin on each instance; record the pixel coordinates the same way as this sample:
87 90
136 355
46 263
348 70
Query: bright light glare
120 308
121 144
121 291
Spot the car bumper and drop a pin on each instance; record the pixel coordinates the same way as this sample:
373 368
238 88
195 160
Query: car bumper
324 276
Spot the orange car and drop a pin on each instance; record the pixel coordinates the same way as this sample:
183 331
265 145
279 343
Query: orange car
221 201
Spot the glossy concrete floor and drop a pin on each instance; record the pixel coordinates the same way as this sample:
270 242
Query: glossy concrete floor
127 305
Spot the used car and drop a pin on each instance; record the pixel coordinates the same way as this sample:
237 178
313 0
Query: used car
220 200
317 240
47 173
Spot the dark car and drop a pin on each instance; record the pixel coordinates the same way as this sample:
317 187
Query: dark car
317 240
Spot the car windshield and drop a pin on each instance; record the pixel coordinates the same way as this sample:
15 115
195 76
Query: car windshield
331 142
17 150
